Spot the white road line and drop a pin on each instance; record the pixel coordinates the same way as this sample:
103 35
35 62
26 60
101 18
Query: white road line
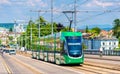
6 66
55 65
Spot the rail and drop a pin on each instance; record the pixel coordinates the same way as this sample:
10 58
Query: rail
104 52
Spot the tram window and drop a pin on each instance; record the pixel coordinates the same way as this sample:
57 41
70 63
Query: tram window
62 47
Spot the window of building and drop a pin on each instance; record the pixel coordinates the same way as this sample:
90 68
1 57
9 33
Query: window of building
103 48
114 43
103 43
109 43
109 48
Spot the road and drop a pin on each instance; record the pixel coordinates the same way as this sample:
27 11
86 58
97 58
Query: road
19 64
24 65
15 67
3 69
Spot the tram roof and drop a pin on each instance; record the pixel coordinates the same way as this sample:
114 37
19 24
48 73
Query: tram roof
63 34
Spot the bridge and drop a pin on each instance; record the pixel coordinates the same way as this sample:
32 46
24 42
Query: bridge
22 63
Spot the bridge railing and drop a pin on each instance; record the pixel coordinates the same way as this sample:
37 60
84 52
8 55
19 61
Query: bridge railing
104 52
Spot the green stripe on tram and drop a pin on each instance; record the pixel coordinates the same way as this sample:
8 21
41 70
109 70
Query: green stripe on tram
63 34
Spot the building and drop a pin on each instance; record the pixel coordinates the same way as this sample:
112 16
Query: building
19 28
101 43
3 35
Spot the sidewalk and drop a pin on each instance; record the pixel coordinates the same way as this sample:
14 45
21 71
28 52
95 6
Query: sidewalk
2 67
113 58
27 54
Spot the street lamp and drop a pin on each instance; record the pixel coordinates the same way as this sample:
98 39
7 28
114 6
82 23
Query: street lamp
31 35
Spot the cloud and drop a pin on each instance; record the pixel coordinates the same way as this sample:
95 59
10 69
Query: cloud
36 3
5 2
101 4
30 3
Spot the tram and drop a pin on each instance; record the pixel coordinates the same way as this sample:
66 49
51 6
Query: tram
60 48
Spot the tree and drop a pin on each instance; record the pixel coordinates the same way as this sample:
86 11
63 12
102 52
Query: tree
86 30
116 28
60 27
84 46
10 30
10 38
96 30
0 41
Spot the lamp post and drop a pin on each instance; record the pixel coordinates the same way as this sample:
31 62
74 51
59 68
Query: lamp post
52 16
31 35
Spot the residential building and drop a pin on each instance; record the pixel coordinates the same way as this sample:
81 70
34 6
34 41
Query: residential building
101 43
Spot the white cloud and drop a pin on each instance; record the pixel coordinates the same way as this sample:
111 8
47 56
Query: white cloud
5 2
103 4
100 3
31 3
36 3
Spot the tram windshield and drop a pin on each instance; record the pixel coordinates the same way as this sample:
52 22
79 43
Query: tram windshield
74 46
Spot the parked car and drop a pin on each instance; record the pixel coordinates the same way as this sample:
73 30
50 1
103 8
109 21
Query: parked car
12 51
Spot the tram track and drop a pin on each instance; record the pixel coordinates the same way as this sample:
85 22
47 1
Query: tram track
103 65
95 69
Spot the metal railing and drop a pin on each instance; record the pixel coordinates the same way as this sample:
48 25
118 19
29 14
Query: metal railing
104 52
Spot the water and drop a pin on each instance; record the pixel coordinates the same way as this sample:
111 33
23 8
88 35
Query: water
7 25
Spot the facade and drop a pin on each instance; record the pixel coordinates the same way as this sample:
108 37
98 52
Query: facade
19 28
3 35
102 43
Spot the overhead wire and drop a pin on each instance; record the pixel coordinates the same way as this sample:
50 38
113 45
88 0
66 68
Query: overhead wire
72 8
93 16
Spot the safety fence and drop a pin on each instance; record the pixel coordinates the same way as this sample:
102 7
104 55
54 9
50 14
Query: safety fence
104 52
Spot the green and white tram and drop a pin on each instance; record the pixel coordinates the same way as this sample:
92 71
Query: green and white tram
61 48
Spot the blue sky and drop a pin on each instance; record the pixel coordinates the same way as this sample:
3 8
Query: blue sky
11 10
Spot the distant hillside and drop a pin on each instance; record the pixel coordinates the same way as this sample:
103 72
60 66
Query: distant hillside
103 27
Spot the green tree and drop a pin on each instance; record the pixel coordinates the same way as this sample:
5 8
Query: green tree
84 46
59 27
116 28
0 41
10 38
94 32
86 30
10 30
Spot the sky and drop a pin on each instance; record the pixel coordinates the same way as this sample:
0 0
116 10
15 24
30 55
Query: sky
89 12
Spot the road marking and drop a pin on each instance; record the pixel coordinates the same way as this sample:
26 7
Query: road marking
35 70
63 67
55 66
6 66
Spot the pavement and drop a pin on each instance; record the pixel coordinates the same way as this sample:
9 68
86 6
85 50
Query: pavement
112 58
2 66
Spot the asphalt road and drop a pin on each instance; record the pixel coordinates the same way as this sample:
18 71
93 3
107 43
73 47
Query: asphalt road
43 67
16 67
2 66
